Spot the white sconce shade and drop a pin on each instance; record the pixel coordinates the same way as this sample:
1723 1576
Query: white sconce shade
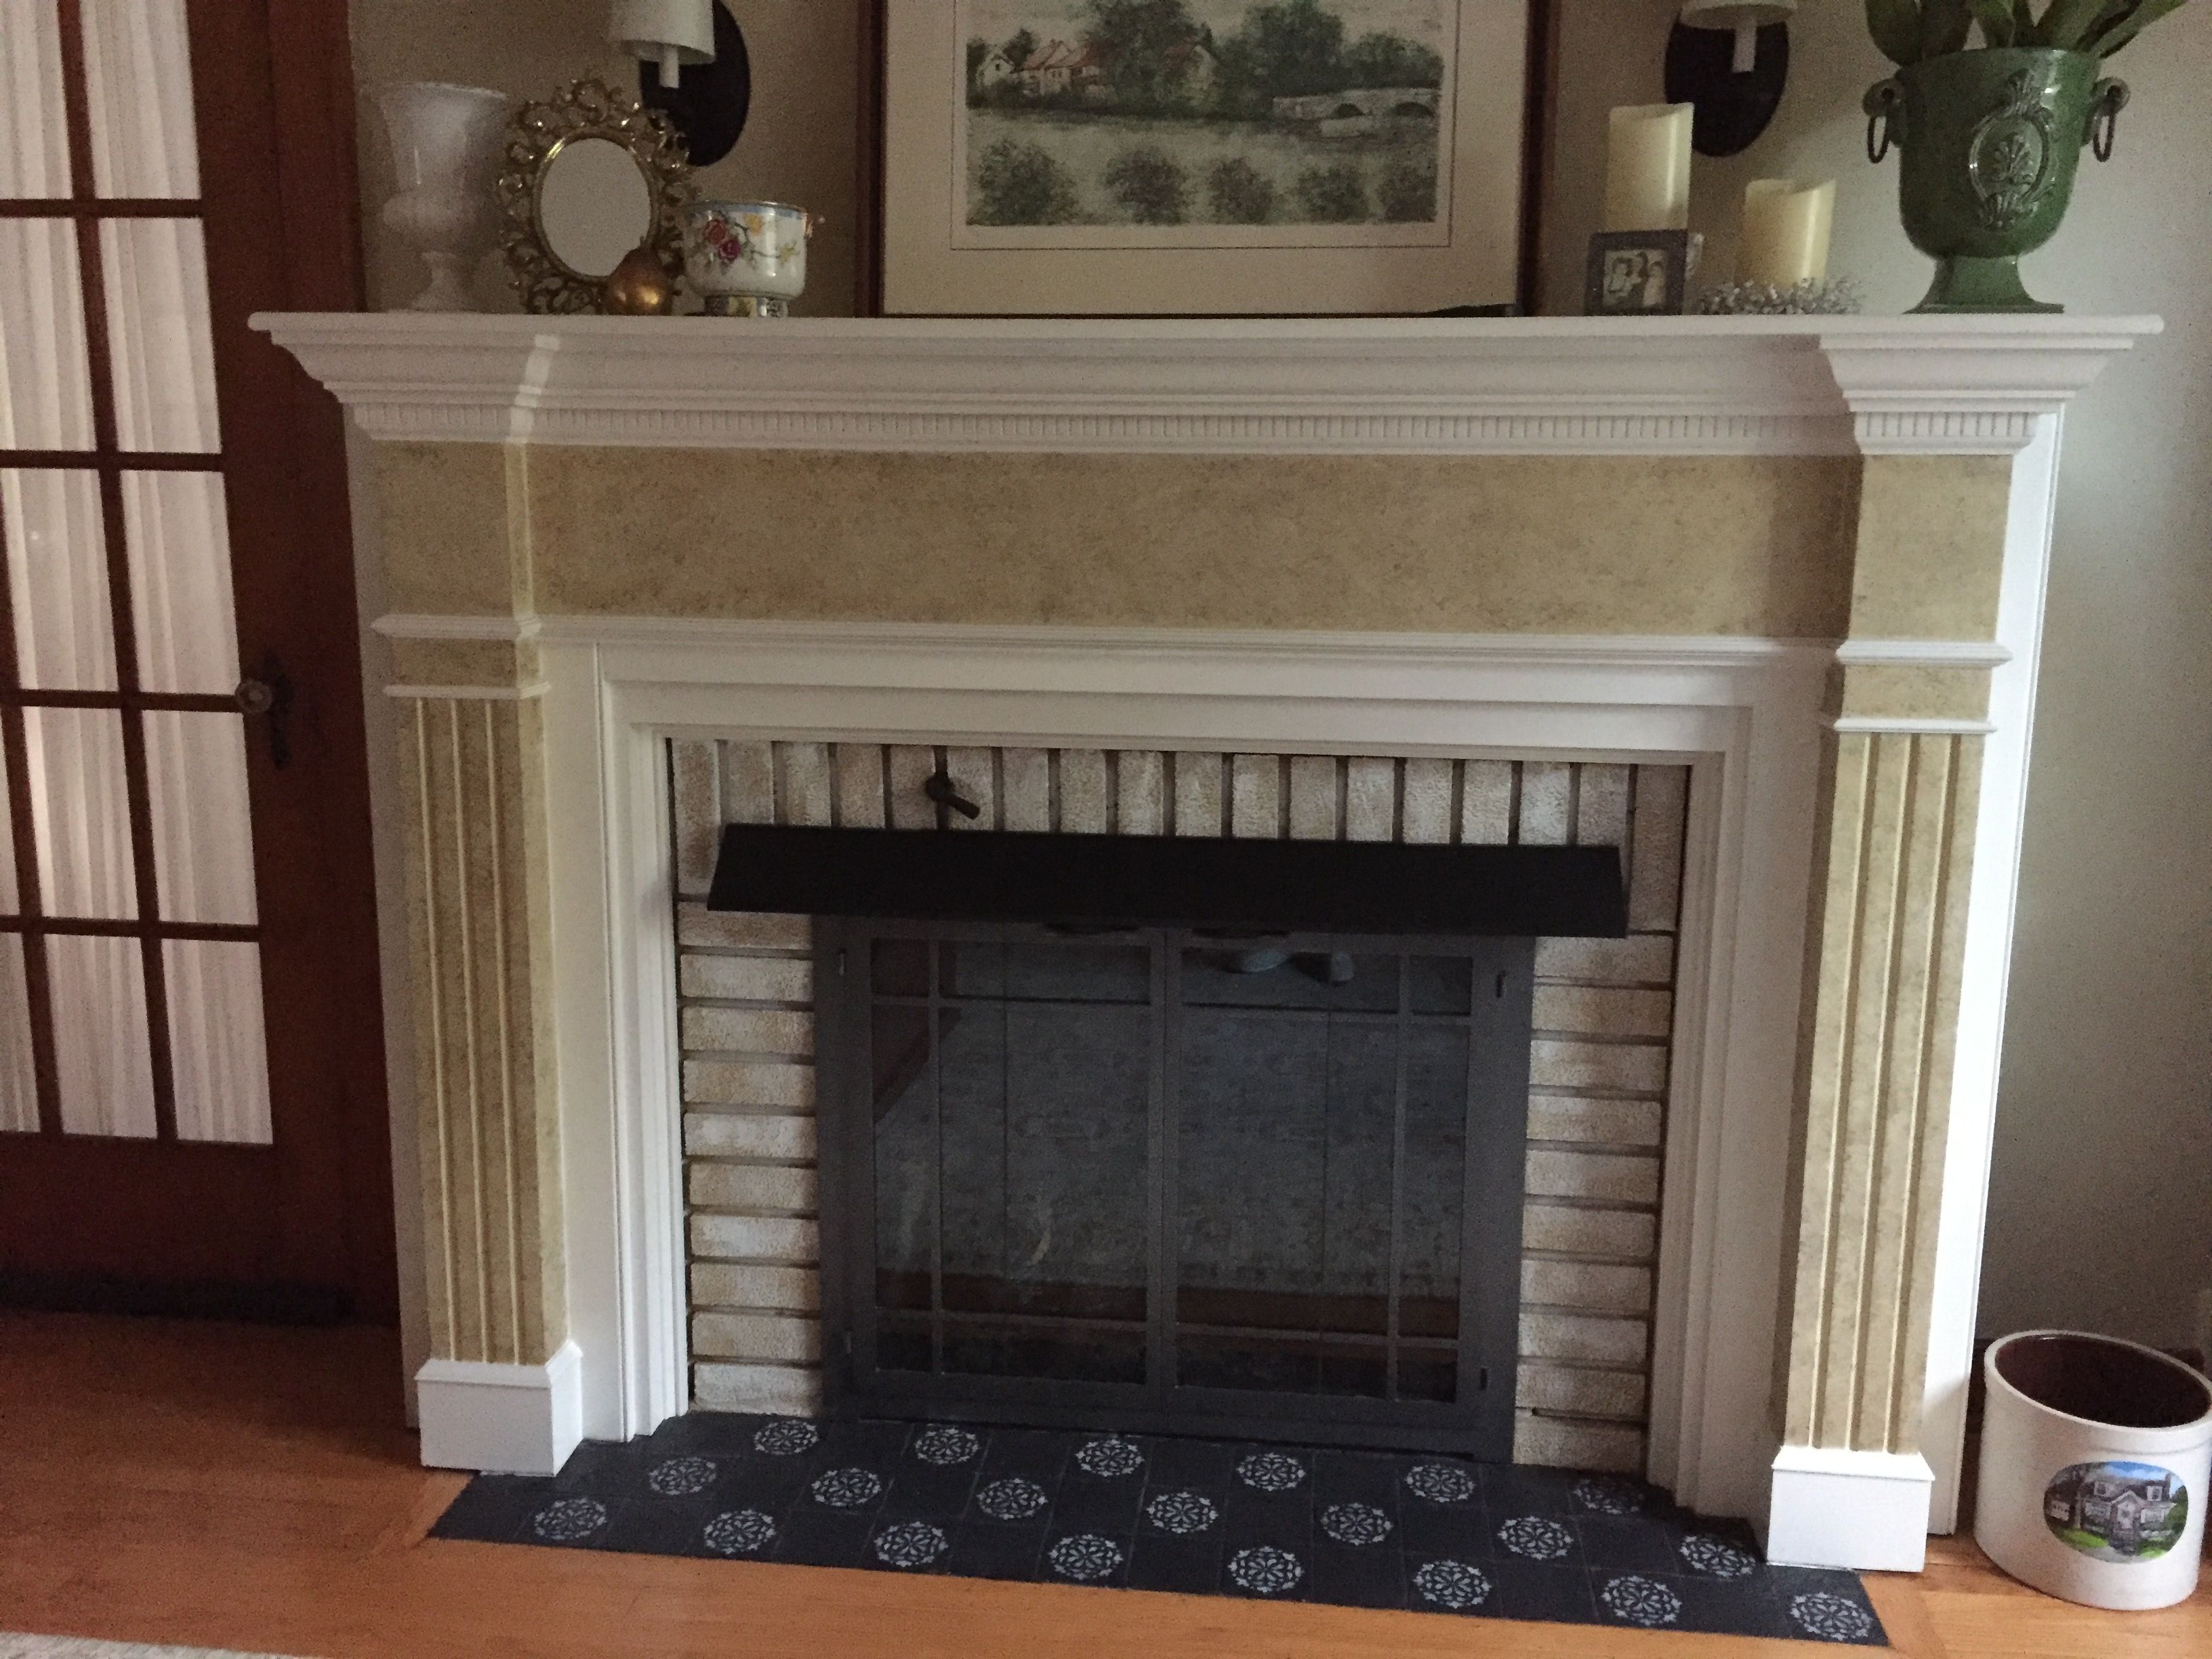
1742 18
671 33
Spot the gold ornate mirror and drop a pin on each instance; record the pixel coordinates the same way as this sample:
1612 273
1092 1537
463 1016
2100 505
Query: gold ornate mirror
591 175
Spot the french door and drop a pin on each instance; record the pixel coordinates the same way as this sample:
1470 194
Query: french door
191 1068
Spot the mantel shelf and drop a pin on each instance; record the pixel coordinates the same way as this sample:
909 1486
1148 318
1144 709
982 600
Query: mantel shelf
1539 386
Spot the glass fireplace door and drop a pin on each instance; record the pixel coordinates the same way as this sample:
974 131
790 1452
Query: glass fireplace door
1168 1181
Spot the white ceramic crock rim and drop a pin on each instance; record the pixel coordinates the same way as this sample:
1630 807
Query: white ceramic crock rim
2175 1438
724 204
482 92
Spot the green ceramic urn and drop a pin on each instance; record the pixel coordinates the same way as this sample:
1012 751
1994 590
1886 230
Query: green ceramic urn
1991 140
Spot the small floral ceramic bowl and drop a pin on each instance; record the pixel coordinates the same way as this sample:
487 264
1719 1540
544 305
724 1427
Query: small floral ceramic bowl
747 258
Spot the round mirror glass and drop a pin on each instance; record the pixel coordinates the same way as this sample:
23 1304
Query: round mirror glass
594 205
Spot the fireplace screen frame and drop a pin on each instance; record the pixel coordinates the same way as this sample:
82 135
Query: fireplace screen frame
1478 1420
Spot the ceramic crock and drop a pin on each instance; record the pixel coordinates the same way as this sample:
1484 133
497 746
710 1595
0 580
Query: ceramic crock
747 258
2094 1458
1991 140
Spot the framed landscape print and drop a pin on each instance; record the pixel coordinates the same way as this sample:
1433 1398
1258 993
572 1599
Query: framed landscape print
1197 157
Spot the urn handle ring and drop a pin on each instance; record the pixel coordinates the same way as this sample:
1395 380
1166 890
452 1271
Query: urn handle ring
2109 99
1885 112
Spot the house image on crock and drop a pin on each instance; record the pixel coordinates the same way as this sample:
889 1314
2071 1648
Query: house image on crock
2129 1507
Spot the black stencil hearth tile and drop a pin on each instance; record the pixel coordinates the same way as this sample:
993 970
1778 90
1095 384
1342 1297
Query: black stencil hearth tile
1627 1544
1435 1534
1817 1604
1186 1567
983 1549
493 1509
813 1537
1355 1577
1540 1590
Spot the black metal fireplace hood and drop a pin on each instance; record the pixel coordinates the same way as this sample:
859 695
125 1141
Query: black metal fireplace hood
1259 887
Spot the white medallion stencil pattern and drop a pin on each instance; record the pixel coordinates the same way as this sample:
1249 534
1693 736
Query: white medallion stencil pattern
1084 1557
1639 1601
1536 1538
1452 1585
740 1532
1827 1618
1011 1499
1271 1471
1355 1524
1263 1570
680 1477
943 1447
786 1436
570 1519
1716 1556
1607 1494
1182 1512
1109 1457
1440 1483
847 1489
910 1544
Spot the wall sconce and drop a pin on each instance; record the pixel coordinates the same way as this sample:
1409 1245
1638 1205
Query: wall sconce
704 78
1731 59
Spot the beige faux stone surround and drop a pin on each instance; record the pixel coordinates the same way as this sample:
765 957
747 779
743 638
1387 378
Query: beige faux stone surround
1605 521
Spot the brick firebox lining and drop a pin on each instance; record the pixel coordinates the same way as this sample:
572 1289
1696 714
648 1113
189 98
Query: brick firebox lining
1598 1063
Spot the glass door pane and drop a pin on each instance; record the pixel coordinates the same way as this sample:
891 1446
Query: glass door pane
33 127
160 336
82 812
203 832
180 551
101 1059
45 388
138 75
19 1089
217 1051
58 580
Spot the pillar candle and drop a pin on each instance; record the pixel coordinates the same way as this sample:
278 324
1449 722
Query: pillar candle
1647 170
1786 227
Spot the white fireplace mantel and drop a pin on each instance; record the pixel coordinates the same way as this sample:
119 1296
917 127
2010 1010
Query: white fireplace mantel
1562 385
611 684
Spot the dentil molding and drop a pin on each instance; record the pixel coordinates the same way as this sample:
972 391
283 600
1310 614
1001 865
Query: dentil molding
1677 386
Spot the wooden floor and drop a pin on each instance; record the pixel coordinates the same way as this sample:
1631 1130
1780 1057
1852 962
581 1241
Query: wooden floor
251 1488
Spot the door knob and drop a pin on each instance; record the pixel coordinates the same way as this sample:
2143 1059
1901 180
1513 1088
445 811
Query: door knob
270 695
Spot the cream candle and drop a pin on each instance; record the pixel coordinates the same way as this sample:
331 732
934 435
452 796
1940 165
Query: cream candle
1786 227
1647 170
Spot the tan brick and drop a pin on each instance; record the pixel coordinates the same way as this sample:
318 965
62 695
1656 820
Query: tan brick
808 783
1198 794
748 1135
748 782
747 1031
1582 1336
1486 817
748 979
1589 1286
860 785
748 1083
1140 805
1547 801
1601 805
1623 1067
1313 798
911 766
787 1242
756 1189
1597 1122
1256 811
1622 1178
1085 796
1655 864
1370 799
1604 1010
725 1284
1558 1443
1027 777
1580 1391
695 768
1428 803
971 772
743 930
1577 1229
781 1390
757 1337
1638 959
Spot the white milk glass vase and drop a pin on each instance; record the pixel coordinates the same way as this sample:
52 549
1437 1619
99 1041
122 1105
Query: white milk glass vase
445 153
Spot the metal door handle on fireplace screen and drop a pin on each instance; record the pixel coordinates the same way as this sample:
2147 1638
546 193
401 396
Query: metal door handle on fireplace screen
271 696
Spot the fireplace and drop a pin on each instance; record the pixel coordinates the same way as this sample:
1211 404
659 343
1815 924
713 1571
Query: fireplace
1799 561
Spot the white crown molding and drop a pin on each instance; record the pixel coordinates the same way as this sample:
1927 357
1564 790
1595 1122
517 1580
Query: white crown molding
1907 725
1682 385
493 630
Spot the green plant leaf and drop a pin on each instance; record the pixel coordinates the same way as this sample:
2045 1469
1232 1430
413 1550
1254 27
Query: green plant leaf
1895 26
1943 26
2067 23
1995 17
2023 24
2121 29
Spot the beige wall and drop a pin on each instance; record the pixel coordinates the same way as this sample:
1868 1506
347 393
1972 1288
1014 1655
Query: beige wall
2108 1100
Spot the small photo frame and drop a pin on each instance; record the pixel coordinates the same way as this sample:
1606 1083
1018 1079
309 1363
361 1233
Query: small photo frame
1637 273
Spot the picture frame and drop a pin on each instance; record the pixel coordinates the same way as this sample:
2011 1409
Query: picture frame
1637 273
1109 174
